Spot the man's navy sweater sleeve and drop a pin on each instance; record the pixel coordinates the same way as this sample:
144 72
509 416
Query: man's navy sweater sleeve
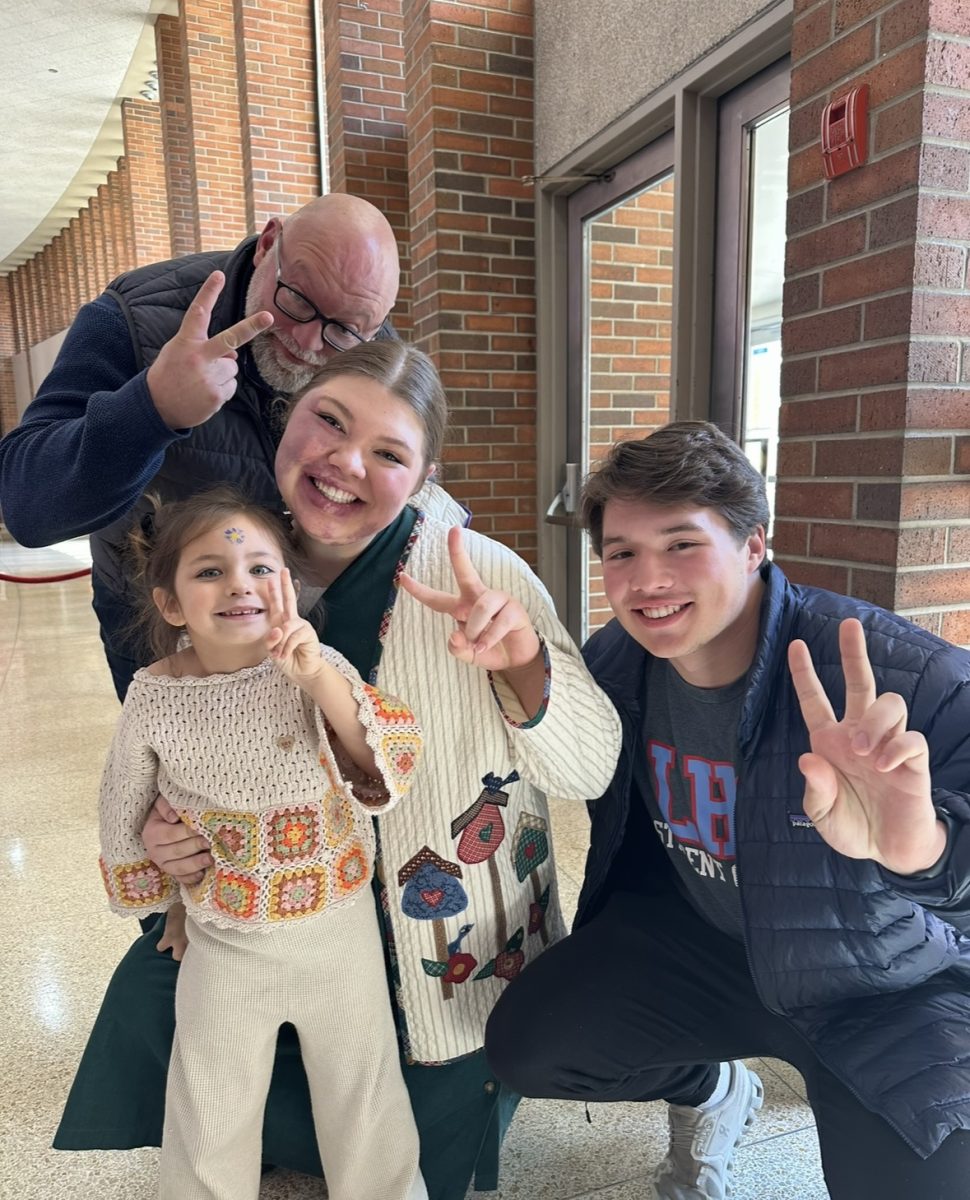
91 440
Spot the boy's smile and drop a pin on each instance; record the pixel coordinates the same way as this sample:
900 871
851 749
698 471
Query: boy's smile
681 584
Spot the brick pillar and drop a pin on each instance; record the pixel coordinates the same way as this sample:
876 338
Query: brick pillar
33 310
127 209
207 29
23 308
61 298
76 280
177 156
88 263
144 155
470 136
874 462
100 260
114 233
42 277
8 348
277 78
120 216
367 118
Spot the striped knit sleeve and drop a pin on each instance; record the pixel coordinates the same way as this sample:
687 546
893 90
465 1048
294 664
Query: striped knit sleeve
571 746
393 734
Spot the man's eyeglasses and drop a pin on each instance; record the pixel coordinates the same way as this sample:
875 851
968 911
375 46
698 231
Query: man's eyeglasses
298 308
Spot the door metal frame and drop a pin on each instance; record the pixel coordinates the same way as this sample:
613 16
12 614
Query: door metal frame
757 98
688 105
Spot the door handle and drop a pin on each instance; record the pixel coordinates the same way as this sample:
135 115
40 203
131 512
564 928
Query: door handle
562 510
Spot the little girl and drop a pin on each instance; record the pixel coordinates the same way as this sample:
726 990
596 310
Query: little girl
272 748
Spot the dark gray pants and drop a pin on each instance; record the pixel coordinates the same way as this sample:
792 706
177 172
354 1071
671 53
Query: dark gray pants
642 1003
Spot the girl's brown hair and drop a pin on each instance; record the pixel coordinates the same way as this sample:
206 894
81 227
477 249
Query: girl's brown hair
157 542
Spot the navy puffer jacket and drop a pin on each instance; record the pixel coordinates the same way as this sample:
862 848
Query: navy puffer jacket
873 969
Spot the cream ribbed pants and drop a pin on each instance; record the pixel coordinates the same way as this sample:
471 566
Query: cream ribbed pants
325 974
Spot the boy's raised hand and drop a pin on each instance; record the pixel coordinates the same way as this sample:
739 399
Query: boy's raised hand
492 630
867 779
291 641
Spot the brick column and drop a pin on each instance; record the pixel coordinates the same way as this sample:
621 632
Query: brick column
62 313
114 225
121 214
367 118
145 159
31 303
180 187
23 308
76 279
8 348
207 29
874 465
470 136
100 259
277 80
44 278
89 276
127 209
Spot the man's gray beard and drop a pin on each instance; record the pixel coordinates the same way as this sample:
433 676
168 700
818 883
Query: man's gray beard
282 377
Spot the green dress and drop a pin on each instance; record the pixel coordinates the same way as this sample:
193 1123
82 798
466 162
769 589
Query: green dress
117 1099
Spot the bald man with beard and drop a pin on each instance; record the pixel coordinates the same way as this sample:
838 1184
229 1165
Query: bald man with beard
167 383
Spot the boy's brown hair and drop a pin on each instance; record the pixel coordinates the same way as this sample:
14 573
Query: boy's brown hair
683 463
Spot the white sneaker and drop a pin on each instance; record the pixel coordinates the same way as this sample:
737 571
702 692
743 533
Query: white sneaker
702 1141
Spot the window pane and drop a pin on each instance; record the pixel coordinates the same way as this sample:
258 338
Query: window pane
761 380
628 283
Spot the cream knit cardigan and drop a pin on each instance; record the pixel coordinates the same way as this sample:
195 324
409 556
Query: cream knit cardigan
477 915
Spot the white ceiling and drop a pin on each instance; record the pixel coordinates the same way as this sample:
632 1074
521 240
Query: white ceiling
65 70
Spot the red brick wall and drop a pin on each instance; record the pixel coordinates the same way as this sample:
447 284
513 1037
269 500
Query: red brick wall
367 118
275 56
874 475
145 158
470 139
212 92
180 187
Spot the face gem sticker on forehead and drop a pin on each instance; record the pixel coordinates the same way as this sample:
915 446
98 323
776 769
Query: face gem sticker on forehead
235 535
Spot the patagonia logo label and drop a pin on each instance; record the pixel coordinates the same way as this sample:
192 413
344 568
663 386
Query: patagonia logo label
800 821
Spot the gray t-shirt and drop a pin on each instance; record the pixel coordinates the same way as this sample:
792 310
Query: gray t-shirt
688 772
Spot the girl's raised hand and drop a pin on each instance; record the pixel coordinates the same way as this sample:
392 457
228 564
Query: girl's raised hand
492 630
291 641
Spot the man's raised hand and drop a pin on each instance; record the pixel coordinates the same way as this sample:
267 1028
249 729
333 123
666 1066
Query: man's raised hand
867 779
492 630
194 375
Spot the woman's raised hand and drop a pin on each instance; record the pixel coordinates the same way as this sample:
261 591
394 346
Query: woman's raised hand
492 630
292 642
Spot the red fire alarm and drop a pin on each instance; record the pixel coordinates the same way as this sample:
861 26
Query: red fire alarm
845 124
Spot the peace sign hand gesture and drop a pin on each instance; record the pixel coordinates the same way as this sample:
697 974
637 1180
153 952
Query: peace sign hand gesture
292 642
492 630
867 779
194 375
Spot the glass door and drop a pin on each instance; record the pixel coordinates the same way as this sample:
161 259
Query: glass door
621 247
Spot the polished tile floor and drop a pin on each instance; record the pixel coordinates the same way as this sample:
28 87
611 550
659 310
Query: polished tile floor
58 945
